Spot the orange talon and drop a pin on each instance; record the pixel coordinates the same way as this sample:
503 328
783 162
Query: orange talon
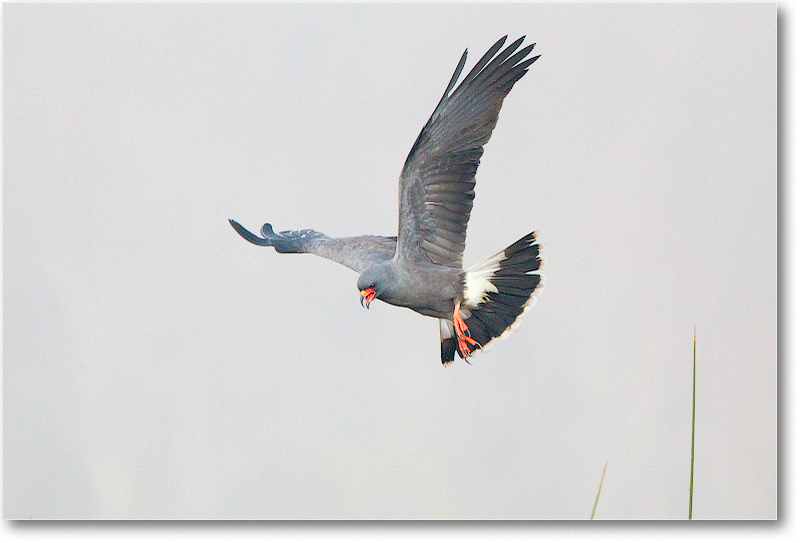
465 343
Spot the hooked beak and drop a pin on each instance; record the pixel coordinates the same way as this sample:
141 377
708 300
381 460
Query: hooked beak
367 295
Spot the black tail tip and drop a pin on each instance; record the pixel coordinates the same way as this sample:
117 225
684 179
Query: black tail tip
448 350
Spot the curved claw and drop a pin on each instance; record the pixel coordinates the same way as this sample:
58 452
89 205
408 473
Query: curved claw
466 345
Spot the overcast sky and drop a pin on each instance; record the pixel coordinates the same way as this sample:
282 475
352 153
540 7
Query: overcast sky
156 365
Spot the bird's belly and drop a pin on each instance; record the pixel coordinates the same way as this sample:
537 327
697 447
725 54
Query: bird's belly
438 303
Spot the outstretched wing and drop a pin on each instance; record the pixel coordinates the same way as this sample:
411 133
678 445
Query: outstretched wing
357 253
436 186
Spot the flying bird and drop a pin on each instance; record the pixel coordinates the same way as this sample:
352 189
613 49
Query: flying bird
421 267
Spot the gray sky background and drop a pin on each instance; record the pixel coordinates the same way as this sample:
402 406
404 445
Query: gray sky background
156 365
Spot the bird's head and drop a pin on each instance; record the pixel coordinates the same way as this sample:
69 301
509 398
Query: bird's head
368 292
370 284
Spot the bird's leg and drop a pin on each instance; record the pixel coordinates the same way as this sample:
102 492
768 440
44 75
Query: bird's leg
466 345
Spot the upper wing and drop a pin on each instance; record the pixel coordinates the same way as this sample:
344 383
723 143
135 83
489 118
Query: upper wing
357 253
436 186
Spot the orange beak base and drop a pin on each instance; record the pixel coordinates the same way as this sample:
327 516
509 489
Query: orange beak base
366 296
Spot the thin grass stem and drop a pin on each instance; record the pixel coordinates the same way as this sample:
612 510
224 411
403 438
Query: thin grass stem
694 380
603 476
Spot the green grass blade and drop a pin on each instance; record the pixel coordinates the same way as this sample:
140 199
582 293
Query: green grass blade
598 490
694 380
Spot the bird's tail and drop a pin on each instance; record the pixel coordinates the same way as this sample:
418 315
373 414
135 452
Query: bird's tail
496 293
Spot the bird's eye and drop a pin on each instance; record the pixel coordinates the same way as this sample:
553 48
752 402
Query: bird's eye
372 285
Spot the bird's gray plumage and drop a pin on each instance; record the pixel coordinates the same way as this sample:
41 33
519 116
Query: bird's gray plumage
357 253
438 179
421 268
